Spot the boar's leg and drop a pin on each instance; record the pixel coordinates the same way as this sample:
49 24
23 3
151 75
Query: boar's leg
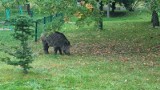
56 49
45 48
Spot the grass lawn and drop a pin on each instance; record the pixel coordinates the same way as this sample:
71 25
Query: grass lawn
124 56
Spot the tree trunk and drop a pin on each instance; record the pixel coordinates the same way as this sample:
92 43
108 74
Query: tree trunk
113 6
108 10
101 14
155 19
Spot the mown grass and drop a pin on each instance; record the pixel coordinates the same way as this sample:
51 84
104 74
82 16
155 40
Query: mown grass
124 56
84 72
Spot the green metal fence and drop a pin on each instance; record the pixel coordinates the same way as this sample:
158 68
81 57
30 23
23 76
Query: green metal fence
40 24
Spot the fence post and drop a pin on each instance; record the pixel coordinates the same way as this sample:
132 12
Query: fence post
7 13
31 13
20 9
44 21
51 18
36 30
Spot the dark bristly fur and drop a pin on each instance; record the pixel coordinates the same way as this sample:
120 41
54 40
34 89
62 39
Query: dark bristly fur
58 41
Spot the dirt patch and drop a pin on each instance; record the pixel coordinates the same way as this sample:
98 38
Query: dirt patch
104 49
94 49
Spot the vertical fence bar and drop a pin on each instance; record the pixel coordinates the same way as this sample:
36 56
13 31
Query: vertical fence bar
7 13
31 13
36 30
20 9
44 21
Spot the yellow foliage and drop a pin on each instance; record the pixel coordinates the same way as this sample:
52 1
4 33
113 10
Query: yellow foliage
66 19
82 2
89 6
78 15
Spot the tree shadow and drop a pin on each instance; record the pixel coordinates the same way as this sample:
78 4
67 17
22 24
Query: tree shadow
116 14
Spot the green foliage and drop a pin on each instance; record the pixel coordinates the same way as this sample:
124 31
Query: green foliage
20 2
129 4
56 24
69 9
6 3
153 5
22 53
12 3
22 28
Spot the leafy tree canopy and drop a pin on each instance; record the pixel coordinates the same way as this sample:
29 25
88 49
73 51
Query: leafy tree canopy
85 14
153 5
